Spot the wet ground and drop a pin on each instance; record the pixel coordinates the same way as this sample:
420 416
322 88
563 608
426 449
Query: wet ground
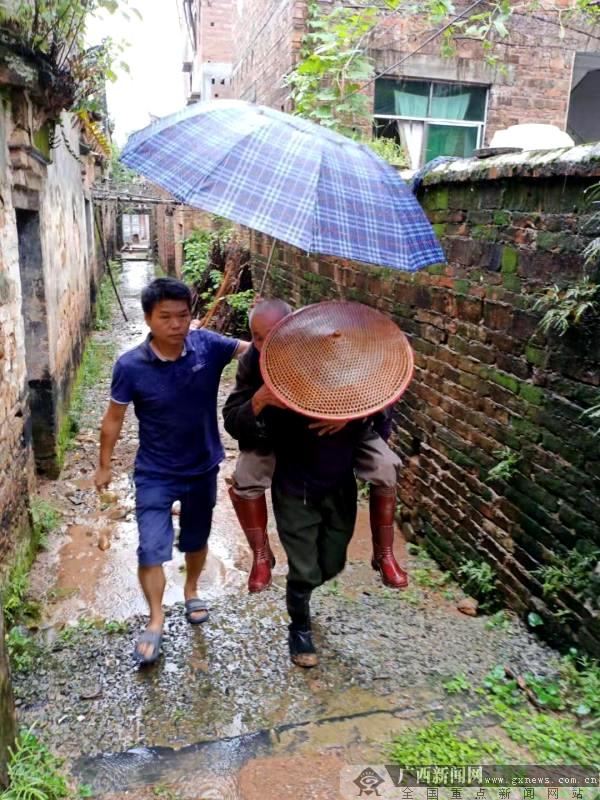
224 714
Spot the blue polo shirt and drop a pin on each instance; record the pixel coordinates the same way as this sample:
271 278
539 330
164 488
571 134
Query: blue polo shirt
175 403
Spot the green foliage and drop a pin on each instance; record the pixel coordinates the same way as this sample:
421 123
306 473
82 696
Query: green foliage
332 588
425 577
500 621
334 64
57 28
197 249
480 581
22 649
551 738
363 490
389 150
570 307
105 299
44 519
457 684
96 360
503 690
242 302
34 773
115 626
117 170
580 676
505 469
547 691
574 571
593 413
439 743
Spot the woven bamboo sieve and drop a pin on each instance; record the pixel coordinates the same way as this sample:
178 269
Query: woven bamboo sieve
336 360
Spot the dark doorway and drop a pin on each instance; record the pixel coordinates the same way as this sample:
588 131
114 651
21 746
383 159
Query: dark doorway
33 298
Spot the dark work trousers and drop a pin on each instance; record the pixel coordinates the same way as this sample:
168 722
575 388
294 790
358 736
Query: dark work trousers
315 533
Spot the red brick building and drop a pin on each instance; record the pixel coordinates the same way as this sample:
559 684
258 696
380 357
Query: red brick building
208 48
431 104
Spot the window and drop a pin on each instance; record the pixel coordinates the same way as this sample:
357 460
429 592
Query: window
430 118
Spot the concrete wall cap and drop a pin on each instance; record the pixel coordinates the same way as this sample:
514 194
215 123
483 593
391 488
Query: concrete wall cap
582 160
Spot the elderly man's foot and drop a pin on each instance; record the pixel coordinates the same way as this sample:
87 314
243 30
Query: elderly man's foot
391 572
302 649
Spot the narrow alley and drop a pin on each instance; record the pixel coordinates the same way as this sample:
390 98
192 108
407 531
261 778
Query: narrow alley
224 713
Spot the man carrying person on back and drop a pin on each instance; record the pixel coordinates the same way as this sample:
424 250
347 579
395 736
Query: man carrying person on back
374 461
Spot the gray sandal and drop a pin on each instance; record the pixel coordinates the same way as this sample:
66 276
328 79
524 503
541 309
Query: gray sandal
153 638
192 606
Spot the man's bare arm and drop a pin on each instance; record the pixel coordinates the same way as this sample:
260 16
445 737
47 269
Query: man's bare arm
242 347
109 434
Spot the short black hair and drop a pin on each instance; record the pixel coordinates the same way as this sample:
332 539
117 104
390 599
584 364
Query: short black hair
165 289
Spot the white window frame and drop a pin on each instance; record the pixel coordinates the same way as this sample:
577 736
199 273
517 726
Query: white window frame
459 123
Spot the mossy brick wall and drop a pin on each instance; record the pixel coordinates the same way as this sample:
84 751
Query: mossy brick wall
486 379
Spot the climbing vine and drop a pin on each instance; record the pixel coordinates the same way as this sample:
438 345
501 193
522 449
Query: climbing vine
334 64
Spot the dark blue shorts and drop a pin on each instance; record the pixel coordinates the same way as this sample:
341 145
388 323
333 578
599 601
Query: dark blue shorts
153 500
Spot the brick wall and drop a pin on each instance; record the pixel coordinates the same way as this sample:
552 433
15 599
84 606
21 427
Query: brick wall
535 81
533 85
48 275
267 37
485 378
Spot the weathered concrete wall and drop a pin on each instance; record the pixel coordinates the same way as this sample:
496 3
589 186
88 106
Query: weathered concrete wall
16 455
57 263
69 263
48 276
486 378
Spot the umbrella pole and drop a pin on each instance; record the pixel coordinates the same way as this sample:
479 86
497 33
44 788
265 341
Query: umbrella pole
266 272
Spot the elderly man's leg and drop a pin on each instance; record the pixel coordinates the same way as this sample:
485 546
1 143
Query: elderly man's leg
251 479
338 513
298 523
378 465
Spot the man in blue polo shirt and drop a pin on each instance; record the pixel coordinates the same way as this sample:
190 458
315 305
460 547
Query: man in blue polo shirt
172 379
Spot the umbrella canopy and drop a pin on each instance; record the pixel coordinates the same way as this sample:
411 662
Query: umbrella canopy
288 178
337 361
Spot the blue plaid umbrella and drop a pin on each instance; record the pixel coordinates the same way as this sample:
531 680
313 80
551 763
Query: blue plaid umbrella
288 178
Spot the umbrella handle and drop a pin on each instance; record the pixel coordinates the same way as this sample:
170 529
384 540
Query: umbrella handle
266 272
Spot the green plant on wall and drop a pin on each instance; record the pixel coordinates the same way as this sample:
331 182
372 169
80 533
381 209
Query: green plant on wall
325 85
578 304
568 307
505 469
575 571
479 579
